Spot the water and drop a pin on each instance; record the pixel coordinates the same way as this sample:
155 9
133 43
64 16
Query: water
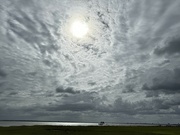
24 123
29 123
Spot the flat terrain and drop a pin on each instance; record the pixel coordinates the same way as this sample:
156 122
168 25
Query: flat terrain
89 130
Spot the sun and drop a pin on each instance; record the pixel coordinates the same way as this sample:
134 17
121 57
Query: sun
79 29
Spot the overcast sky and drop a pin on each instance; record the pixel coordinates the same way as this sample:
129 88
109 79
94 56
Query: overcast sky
126 69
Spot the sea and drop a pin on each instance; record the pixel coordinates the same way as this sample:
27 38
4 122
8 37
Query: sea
32 123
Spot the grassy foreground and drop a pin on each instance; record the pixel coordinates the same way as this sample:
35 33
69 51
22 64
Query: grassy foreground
90 130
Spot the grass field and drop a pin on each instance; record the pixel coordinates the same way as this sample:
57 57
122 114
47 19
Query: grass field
90 130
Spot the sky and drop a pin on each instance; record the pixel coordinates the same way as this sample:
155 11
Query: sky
126 69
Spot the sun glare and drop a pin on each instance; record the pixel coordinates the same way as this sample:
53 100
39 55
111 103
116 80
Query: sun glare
79 29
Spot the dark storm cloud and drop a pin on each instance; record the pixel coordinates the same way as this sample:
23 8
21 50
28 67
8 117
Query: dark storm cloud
129 88
167 82
155 106
83 101
126 107
171 48
13 93
72 107
17 113
165 105
47 62
92 83
164 62
2 73
32 73
69 90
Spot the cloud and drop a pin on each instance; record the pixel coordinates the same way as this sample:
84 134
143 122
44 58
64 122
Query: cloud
171 48
115 73
69 90
72 107
2 73
164 62
129 88
166 82
13 93
155 106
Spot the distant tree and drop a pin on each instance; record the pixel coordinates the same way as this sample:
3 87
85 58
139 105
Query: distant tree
101 123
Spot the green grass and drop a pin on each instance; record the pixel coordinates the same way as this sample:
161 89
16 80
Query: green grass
90 130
